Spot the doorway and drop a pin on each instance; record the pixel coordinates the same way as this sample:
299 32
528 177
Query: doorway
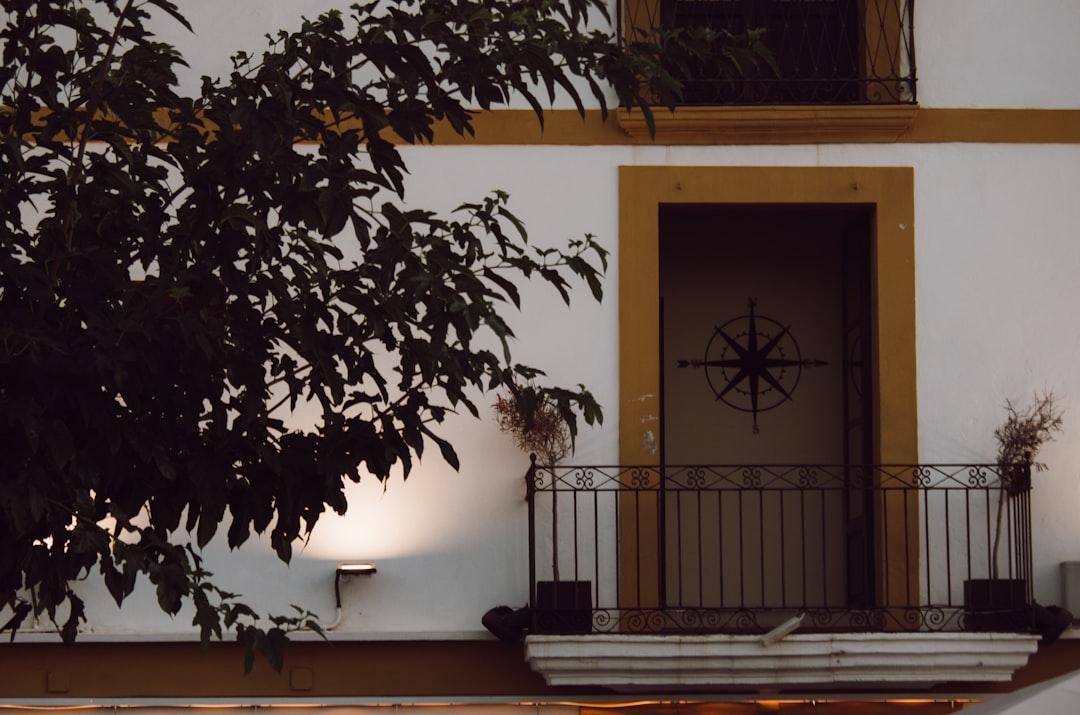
764 324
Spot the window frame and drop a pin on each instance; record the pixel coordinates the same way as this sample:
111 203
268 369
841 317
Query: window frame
875 119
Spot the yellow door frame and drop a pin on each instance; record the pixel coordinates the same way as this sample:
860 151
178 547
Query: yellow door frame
890 191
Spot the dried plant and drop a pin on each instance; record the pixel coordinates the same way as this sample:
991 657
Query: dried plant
1026 430
541 430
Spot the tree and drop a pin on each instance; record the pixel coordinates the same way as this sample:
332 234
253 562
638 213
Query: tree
178 274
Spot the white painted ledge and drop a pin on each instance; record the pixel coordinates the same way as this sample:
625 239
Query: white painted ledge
628 662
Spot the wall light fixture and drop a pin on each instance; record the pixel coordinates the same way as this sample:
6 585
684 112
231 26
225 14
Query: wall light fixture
361 569
347 569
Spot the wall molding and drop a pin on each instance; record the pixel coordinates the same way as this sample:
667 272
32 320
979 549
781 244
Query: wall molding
772 124
879 124
629 662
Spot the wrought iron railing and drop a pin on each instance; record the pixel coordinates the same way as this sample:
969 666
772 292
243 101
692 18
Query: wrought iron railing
826 51
742 549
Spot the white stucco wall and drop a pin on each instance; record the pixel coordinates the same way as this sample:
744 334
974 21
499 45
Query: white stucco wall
997 251
996 254
997 53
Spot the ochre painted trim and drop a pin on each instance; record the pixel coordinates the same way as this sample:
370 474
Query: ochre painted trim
871 123
891 191
996 126
774 125
398 670
402 671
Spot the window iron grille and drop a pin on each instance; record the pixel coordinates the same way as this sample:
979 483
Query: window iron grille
826 51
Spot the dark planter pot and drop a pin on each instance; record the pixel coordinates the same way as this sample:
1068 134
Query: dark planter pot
996 605
563 607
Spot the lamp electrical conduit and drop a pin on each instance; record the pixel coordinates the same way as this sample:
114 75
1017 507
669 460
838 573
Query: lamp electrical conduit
346 569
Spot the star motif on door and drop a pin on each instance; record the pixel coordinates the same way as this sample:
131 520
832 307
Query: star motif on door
752 363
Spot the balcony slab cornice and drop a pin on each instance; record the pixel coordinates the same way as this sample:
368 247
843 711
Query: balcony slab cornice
773 124
857 660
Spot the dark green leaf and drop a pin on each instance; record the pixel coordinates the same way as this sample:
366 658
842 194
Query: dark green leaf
185 293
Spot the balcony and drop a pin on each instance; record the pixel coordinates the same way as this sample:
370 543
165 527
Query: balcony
827 52
792 563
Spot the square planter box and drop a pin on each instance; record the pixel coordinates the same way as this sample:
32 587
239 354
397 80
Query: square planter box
563 607
996 605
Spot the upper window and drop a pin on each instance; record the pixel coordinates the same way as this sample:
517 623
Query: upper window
827 51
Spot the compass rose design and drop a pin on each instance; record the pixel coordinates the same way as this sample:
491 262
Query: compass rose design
752 363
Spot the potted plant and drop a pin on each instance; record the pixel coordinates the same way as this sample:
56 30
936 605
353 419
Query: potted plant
998 603
539 429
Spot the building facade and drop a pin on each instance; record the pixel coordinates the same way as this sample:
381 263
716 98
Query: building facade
823 289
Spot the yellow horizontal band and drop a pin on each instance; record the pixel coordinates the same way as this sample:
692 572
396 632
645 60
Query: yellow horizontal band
775 125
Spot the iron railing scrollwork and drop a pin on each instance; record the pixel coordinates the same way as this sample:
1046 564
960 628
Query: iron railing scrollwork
742 548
